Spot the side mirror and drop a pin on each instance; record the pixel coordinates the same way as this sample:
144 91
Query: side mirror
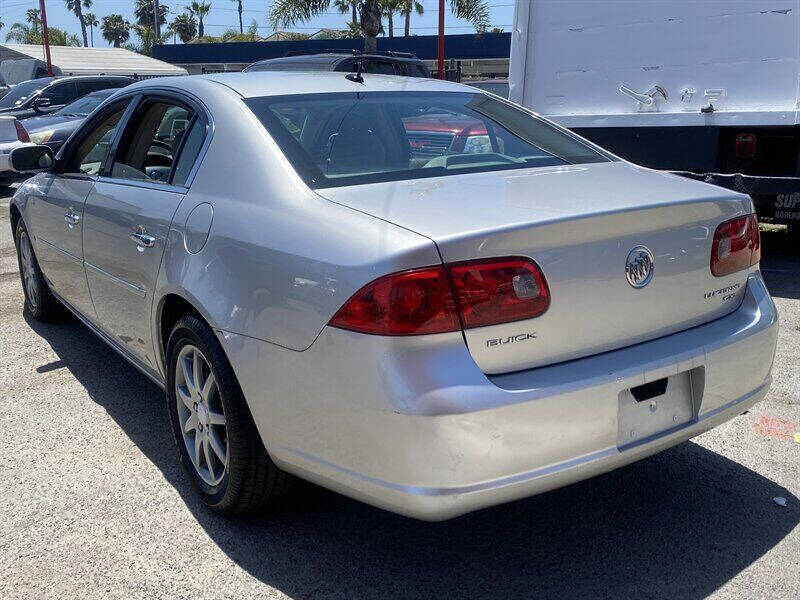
41 102
32 159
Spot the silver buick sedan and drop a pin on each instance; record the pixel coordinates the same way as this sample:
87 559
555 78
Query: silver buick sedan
405 290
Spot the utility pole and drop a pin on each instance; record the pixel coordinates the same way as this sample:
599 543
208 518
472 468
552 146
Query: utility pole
46 38
155 18
440 61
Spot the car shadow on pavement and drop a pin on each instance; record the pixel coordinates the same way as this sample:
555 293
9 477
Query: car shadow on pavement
679 524
780 263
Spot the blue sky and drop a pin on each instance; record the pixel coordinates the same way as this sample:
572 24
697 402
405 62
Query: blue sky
224 15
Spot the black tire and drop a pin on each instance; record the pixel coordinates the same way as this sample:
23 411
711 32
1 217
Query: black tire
250 480
43 306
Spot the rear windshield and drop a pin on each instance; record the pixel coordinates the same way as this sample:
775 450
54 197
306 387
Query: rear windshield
83 106
348 139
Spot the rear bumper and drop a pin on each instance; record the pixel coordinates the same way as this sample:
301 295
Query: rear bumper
414 427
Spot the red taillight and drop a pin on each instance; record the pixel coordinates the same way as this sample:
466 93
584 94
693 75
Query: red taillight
736 246
408 303
420 301
499 291
22 134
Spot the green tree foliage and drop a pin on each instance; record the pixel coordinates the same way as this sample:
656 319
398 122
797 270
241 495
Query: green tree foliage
286 13
199 10
116 30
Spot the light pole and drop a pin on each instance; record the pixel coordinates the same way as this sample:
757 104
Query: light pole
440 61
46 38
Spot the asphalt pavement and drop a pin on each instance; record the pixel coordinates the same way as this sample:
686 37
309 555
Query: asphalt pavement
93 503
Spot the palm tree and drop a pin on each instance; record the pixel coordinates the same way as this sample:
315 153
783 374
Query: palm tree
351 6
75 7
27 34
34 17
31 34
185 26
200 10
406 7
353 31
91 21
144 11
239 6
115 29
286 13
24 34
147 38
59 37
388 8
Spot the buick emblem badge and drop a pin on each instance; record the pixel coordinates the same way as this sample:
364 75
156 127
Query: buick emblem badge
639 266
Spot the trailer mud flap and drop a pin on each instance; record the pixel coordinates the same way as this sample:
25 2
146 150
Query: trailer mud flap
775 197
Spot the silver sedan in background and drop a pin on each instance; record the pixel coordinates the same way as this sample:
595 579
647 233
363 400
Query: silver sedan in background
406 290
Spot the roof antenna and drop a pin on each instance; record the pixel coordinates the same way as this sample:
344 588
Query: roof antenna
357 75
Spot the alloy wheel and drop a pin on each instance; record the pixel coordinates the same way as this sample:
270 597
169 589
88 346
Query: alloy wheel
201 415
28 270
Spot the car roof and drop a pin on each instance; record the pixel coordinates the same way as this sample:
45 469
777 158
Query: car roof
280 83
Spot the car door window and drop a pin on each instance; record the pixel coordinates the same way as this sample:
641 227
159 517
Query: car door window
90 153
151 142
61 93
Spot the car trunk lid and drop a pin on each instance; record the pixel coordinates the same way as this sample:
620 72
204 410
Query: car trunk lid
578 223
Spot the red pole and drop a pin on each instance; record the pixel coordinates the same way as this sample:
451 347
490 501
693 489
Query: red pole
46 38
441 40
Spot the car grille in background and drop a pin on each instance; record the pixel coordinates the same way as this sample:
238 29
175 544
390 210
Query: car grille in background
424 143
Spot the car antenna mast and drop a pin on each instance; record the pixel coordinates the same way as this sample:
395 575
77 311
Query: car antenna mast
357 75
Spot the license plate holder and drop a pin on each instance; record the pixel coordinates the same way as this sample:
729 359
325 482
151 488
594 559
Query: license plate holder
643 415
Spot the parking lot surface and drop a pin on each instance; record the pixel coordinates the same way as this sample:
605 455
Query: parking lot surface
93 502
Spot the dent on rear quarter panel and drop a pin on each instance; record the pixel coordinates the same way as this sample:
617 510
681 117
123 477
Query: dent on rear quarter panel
279 260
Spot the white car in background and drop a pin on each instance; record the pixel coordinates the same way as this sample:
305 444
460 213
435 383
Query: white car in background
12 135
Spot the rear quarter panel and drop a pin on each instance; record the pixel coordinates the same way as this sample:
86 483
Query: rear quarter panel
279 260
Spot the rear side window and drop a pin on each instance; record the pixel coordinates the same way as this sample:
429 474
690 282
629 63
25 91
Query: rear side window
61 93
348 139
189 152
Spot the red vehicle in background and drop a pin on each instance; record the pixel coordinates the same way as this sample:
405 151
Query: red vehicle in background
437 135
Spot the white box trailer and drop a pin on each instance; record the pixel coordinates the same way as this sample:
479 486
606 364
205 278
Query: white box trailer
707 88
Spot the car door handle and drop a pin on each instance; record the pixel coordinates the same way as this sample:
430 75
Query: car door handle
143 239
72 218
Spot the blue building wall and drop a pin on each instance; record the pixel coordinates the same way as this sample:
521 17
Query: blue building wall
462 46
